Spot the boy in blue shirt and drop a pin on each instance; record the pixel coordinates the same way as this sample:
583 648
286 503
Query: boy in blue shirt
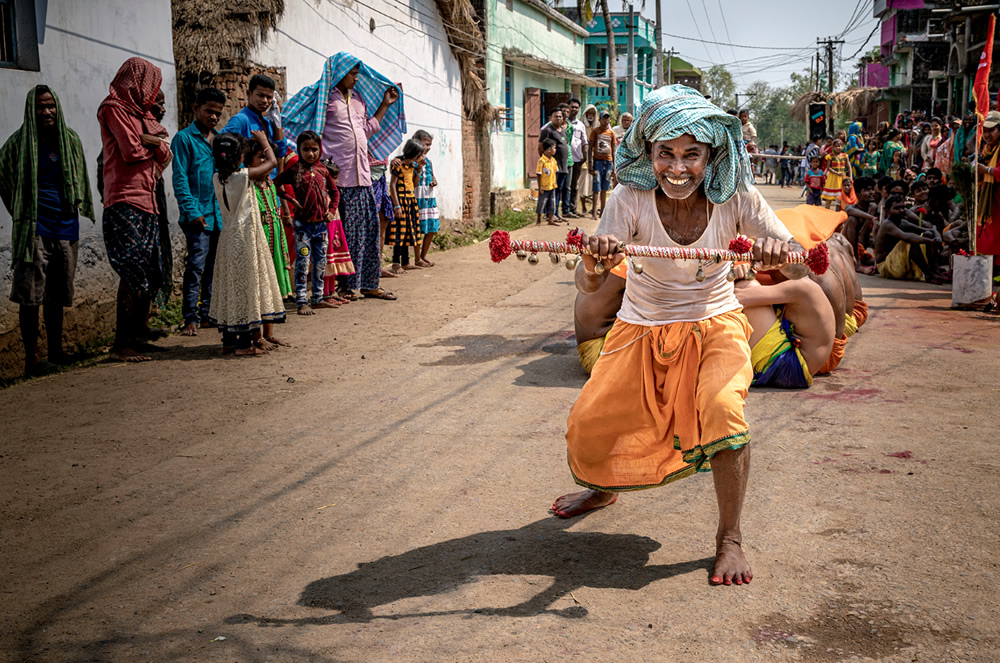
262 113
200 219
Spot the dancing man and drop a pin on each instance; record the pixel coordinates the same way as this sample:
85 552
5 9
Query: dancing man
666 396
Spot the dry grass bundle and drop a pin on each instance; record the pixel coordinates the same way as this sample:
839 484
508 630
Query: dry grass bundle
799 110
856 101
468 44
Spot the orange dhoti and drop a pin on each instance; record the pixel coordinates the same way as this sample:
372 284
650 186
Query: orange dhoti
836 355
861 312
660 402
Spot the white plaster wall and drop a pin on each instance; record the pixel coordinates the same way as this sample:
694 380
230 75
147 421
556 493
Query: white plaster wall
83 45
408 46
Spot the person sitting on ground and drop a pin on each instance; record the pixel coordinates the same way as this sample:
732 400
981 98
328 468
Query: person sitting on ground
245 294
593 316
793 328
860 214
200 218
900 254
944 214
45 187
934 177
546 170
603 151
919 193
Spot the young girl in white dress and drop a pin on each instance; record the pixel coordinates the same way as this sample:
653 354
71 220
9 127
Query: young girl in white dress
246 295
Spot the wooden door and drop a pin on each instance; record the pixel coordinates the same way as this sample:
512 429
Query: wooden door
532 127
551 101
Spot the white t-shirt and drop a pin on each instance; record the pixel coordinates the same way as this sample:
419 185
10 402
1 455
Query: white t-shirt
667 290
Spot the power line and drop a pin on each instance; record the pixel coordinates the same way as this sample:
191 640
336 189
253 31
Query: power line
863 45
731 49
762 48
697 29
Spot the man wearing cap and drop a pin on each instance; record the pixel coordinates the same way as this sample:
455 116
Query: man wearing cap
665 398
988 171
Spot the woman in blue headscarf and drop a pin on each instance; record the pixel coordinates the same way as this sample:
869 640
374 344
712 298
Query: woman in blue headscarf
666 396
855 148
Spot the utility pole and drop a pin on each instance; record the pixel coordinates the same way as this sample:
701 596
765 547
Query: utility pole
630 70
670 68
816 87
659 48
830 43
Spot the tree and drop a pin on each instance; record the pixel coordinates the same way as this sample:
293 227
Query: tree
585 10
720 86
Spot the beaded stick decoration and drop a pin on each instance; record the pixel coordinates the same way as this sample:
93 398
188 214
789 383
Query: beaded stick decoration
501 247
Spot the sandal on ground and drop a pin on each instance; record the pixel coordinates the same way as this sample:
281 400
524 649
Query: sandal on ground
379 293
349 295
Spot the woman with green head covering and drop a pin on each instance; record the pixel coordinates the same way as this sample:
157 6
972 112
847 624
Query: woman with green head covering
665 398
45 188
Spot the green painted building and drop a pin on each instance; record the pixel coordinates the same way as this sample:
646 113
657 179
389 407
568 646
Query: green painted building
534 61
599 66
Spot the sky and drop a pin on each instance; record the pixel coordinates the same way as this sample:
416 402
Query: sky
774 24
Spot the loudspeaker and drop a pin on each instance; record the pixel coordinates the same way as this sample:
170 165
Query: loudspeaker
817 121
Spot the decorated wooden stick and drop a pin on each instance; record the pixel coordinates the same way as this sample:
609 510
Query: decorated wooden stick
502 246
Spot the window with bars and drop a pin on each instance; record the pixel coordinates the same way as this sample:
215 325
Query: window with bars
508 93
8 40
18 35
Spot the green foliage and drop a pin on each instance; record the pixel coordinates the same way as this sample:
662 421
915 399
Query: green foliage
769 112
168 316
506 220
719 84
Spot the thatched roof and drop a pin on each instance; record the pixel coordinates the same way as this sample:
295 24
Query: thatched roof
468 44
207 32
853 102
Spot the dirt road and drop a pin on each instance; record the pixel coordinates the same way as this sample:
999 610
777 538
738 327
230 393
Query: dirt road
379 492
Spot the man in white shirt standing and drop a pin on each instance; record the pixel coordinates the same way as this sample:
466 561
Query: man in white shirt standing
578 150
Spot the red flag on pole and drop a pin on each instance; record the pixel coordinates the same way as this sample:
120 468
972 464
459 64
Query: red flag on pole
980 89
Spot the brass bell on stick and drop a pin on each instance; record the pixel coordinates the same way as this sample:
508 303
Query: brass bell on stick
521 254
731 276
637 267
554 257
572 262
700 275
599 267
533 259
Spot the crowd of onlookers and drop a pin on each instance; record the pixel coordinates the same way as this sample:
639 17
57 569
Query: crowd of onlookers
904 216
283 205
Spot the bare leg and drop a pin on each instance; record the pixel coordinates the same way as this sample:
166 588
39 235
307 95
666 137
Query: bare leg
574 504
28 319
383 224
54 331
190 329
730 470
125 327
424 249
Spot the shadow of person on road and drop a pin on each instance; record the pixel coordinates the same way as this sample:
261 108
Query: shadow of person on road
541 548
559 367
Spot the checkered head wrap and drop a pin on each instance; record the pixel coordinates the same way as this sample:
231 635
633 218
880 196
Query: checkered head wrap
671 112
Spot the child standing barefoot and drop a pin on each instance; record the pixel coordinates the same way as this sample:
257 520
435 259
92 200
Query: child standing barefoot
402 231
338 257
314 191
246 293
546 170
426 202
270 216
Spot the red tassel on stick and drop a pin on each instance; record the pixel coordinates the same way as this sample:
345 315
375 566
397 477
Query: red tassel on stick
499 245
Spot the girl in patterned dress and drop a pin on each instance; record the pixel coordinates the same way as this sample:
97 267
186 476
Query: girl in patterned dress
269 205
245 295
836 171
403 231
426 202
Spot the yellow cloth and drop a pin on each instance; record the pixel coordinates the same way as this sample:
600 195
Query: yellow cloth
661 401
590 352
850 325
897 265
772 343
810 224
547 168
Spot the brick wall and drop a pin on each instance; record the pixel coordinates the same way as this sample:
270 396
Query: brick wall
476 163
232 79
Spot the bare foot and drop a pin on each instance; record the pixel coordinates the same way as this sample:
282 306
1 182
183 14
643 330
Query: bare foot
574 504
424 263
252 351
553 223
265 345
190 329
127 355
277 341
731 565
410 268
326 304
388 275
396 269
305 309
